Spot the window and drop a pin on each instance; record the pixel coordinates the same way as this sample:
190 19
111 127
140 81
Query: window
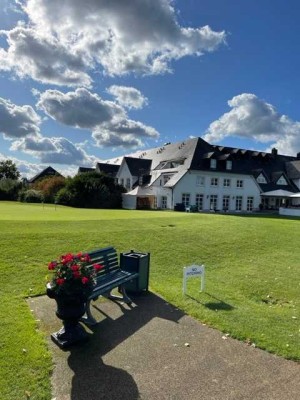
213 181
281 181
239 183
238 203
226 200
200 180
228 164
261 179
213 201
164 202
226 182
128 183
166 178
186 199
155 202
213 163
199 201
250 203
122 181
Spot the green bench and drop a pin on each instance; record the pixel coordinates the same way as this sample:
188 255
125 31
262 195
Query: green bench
111 276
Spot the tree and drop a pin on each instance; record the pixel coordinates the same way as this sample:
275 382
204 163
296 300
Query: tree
8 170
49 186
91 190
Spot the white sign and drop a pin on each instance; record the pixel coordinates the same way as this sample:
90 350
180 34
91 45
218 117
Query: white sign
191 272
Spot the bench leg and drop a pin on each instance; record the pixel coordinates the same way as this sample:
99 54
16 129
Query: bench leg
88 319
124 296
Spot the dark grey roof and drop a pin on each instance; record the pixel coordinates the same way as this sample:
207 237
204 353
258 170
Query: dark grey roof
138 166
197 153
49 171
108 169
293 169
82 170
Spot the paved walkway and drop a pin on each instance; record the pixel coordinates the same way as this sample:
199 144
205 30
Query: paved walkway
141 353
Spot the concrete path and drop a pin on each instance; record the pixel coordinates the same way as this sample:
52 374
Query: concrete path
142 353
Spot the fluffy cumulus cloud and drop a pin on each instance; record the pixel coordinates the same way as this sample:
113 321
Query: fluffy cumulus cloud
251 117
81 108
43 58
18 121
56 150
107 120
128 97
63 41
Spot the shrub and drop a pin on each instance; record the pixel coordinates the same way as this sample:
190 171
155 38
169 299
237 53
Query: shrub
91 190
31 196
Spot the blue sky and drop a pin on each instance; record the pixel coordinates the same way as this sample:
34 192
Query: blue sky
82 82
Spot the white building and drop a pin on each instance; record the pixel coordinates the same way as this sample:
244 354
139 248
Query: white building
205 177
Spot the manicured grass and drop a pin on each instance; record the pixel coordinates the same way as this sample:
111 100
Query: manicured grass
252 275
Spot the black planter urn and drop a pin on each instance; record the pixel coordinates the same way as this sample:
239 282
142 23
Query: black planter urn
70 308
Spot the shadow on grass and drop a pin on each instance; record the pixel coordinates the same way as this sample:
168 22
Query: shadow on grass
218 304
95 380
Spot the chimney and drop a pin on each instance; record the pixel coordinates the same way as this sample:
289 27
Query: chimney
274 152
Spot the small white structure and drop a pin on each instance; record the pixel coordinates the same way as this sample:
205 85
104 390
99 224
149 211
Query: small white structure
192 272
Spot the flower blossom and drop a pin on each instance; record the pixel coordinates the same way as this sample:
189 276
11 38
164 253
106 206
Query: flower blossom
97 267
52 265
84 280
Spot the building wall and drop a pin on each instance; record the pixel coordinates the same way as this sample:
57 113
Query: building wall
191 184
125 178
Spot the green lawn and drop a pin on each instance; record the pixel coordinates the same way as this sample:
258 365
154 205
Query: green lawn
252 275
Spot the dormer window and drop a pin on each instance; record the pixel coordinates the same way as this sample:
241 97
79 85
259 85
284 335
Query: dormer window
213 163
228 164
281 181
261 179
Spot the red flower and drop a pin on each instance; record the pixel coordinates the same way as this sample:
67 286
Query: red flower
86 258
79 255
76 274
75 267
84 280
60 281
67 258
97 267
52 265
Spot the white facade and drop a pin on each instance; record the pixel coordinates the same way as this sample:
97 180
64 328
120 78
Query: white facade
124 176
214 190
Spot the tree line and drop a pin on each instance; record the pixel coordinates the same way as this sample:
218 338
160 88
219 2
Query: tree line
85 190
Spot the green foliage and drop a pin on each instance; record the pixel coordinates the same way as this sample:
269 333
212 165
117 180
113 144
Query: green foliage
50 186
91 190
9 189
8 170
31 196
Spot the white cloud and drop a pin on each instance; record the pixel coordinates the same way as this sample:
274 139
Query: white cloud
128 97
43 58
55 150
18 121
126 133
253 118
107 120
63 41
81 108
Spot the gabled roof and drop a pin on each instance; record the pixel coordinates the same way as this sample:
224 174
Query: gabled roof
108 169
138 166
49 171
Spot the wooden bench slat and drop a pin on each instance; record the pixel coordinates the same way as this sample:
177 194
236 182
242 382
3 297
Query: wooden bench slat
107 278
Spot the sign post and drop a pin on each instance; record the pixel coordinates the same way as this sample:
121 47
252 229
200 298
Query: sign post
191 272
